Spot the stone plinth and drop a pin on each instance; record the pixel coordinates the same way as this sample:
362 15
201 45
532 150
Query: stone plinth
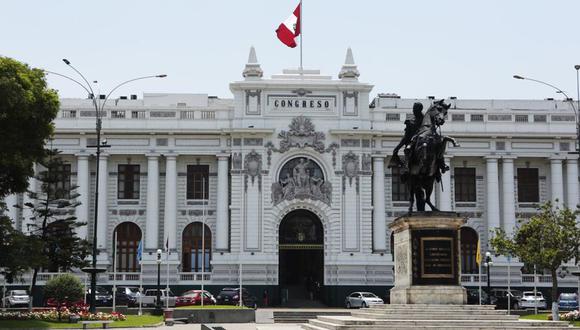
427 259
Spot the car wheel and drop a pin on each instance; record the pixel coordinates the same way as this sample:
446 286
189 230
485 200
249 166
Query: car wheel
363 305
348 305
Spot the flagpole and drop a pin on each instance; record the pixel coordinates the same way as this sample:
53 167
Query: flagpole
202 241
140 257
167 274
301 33
115 273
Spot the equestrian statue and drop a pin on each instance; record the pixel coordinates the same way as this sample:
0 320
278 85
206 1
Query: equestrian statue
424 148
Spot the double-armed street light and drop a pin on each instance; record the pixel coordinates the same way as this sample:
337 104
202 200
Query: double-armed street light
576 107
99 111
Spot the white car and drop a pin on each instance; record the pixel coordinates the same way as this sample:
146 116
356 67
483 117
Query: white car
362 299
150 298
529 301
16 298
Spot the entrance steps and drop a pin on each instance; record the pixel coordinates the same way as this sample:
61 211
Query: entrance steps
428 317
303 316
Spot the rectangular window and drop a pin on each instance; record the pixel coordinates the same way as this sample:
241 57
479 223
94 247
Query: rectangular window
198 182
399 188
465 184
128 181
528 185
60 187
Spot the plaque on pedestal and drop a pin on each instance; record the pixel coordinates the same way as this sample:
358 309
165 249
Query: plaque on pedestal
427 259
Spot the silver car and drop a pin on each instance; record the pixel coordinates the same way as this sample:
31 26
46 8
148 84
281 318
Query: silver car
529 301
362 299
16 298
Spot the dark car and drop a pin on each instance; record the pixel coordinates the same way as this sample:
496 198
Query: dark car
568 301
231 296
102 296
473 297
505 296
127 295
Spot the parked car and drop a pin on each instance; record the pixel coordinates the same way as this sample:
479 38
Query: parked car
231 296
501 296
568 301
362 300
103 297
530 301
150 298
193 297
16 298
127 295
473 297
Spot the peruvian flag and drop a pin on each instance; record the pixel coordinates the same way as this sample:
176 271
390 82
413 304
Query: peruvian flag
290 29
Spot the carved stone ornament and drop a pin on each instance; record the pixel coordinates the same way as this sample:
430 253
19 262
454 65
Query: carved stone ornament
350 165
253 168
366 162
301 178
301 135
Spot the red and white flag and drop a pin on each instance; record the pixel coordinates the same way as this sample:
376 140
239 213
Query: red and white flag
290 29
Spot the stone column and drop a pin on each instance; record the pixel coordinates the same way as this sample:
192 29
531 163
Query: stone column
152 226
445 194
222 226
379 222
508 196
27 212
170 222
10 201
572 182
557 180
102 222
492 193
83 183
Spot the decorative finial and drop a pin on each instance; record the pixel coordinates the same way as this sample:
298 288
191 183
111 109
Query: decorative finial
252 69
349 70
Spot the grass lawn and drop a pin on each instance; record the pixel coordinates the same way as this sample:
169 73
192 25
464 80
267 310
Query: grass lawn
212 307
544 317
131 321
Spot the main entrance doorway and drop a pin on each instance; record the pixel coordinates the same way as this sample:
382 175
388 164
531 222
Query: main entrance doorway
301 263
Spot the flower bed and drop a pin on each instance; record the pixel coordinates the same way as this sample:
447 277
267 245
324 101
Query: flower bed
65 314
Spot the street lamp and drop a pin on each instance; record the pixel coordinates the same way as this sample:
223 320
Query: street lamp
158 301
99 108
558 90
488 263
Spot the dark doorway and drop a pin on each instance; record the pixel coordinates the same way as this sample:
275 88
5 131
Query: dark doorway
301 264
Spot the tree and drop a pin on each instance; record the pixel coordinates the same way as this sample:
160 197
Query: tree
65 289
27 109
18 253
54 222
547 240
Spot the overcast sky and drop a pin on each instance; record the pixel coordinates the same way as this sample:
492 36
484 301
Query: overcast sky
464 48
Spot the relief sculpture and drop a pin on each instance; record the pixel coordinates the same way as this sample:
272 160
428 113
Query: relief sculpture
301 178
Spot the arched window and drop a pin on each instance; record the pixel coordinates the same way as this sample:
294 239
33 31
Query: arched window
194 255
128 238
468 251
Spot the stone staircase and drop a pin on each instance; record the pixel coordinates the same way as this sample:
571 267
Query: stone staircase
303 316
428 317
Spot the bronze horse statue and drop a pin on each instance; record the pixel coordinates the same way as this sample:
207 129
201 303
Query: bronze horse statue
424 162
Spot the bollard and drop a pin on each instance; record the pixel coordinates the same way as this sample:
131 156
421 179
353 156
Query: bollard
168 316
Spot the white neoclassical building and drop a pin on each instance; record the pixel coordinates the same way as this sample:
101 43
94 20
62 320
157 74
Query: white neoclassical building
285 186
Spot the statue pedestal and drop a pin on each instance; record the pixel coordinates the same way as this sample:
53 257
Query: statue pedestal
427 259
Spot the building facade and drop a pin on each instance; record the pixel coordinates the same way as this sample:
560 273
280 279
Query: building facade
285 187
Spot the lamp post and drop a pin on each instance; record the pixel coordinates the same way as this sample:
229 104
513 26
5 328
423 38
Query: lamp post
558 90
158 296
488 263
99 108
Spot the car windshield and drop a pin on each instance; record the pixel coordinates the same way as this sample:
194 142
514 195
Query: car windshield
568 296
19 292
531 294
369 295
517 293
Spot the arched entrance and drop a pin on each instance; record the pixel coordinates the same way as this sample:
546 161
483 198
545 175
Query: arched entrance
127 245
469 239
301 263
196 248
